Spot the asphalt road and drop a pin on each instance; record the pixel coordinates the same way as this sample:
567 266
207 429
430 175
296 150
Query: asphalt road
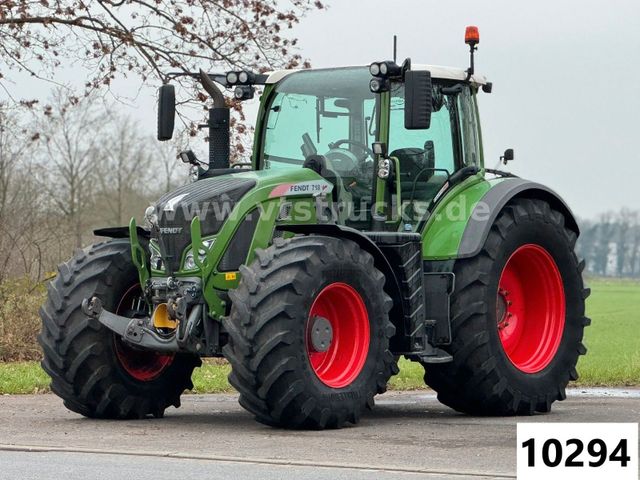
407 436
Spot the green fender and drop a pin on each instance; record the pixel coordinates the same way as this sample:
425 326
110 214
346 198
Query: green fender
460 223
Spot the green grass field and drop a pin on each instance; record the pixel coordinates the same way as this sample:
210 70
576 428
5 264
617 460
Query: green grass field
613 341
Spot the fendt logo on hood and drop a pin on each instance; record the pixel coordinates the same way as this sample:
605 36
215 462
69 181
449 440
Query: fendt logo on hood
170 230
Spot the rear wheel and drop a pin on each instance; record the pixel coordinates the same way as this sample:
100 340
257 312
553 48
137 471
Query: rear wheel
309 334
517 317
92 369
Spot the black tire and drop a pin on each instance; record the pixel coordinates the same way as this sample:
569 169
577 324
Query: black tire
267 329
482 380
80 354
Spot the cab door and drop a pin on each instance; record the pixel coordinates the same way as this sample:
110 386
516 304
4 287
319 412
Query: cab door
426 158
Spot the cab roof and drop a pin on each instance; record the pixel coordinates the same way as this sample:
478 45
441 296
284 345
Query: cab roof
437 71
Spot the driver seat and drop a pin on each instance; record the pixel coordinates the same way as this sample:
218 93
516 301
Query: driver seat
415 164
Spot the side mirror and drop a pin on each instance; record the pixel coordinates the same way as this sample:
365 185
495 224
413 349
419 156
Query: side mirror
189 157
417 100
508 156
166 111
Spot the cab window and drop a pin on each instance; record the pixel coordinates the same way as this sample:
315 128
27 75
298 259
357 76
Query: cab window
469 127
330 116
426 157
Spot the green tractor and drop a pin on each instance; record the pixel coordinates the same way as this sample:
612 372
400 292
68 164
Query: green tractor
365 228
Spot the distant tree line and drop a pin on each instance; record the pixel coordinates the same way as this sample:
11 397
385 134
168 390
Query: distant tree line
68 170
610 244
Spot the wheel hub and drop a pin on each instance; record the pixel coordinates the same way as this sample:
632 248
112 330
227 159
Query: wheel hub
321 334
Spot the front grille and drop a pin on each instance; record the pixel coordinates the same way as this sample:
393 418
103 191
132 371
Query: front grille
212 200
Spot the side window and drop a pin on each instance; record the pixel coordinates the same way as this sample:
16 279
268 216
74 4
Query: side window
295 114
437 141
469 126
426 157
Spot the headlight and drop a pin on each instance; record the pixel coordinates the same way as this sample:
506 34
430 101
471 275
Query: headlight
156 259
189 260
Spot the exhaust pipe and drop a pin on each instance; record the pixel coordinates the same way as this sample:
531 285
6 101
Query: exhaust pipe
218 124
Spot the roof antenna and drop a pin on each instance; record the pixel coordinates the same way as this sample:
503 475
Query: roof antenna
395 48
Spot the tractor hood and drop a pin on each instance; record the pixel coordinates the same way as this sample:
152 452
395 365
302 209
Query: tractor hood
211 199
226 197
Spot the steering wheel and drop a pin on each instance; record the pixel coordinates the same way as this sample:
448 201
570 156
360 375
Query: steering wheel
365 148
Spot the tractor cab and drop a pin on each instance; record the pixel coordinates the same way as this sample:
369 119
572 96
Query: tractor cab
331 120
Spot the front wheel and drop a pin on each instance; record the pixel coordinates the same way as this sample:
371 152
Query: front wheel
309 334
91 368
518 315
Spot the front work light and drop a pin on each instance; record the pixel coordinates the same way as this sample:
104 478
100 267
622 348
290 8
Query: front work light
243 92
240 78
386 69
232 78
378 85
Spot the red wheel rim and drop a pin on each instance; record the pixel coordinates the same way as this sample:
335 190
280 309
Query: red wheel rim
140 364
530 308
346 355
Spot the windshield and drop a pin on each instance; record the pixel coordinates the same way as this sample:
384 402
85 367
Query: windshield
312 110
330 113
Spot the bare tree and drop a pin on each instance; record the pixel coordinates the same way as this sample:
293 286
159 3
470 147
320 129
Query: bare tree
148 38
622 240
123 168
16 198
602 249
71 139
634 248
165 164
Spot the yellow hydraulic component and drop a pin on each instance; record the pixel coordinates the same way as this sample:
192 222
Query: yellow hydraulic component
161 318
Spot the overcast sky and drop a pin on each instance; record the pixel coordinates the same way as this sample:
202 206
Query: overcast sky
566 77
565 73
